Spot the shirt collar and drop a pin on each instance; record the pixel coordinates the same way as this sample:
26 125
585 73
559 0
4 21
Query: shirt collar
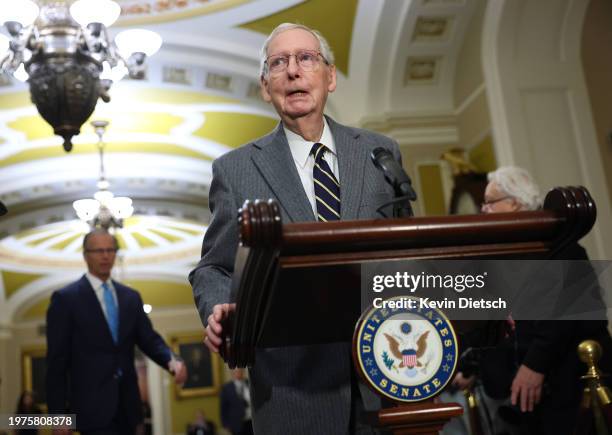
96 282
300 147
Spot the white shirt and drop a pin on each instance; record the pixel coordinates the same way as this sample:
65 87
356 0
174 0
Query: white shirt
242 389
304 161
96 284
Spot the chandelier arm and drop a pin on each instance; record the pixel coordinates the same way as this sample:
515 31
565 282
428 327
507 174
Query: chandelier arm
109 52
101 152
5 63
85 39
113 53
29 37
14 55
83 42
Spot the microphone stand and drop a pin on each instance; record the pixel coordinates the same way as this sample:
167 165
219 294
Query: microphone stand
399 179
401 206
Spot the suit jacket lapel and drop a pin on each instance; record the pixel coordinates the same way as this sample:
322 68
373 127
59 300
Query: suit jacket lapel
351 166
122 308
276 165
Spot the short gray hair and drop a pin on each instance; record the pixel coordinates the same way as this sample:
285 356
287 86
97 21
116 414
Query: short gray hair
517 183
324 47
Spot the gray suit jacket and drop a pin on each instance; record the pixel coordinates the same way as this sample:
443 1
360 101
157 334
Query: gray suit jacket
307 389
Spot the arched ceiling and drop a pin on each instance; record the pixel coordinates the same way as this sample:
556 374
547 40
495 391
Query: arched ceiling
199 99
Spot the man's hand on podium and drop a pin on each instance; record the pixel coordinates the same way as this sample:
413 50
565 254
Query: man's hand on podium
216 322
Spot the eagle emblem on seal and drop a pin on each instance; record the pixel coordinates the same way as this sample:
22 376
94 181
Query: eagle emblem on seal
408 356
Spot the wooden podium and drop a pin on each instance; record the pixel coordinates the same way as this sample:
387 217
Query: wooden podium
321 262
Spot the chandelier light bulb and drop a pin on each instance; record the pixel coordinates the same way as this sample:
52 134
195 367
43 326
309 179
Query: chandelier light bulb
115 73
138 41
95 11
106 71
4 43
121 206
23 12
86 209
21 74
118 71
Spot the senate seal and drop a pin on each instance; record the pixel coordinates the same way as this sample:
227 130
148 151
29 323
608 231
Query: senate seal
407 354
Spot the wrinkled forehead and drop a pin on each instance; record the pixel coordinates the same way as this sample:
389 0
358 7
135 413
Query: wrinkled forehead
100 240
290 40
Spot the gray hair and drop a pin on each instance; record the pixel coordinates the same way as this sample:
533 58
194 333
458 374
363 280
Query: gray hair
324 48
517 183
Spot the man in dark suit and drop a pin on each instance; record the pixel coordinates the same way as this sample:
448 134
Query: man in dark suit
317 170
236 405
92 327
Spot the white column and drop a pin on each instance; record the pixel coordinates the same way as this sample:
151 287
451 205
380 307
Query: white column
155 376
539 103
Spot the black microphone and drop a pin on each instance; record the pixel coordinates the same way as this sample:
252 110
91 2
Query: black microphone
394 173
3 209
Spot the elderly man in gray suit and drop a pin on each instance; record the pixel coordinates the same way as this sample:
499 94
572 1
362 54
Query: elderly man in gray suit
317 170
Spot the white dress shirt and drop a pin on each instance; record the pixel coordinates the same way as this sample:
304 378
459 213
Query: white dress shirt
96 284
304 161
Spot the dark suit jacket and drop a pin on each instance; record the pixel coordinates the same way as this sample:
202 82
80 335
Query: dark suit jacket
550 347
303 389
233 408
86 370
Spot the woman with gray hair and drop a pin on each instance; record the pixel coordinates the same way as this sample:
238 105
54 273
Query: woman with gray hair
537 366
511 189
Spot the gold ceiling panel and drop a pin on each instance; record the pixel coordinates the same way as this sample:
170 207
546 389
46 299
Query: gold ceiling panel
123 93
15 100
163 293
34 127
13 281
234 129
118 147
334 19
36 311
159 294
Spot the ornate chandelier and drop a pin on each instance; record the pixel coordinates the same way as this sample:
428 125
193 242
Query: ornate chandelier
63 50
105 210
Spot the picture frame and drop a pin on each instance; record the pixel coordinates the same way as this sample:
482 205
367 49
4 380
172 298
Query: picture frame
203 367
34 373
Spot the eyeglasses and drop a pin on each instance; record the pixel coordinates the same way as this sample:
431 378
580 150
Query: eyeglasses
493 201
108 251
307 60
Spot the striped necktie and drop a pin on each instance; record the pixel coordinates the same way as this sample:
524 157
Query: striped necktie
326 187
112 315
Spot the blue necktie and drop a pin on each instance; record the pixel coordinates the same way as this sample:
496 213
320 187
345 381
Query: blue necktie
326 186
112 315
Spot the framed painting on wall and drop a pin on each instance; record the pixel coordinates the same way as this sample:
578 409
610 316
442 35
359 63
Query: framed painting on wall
203 367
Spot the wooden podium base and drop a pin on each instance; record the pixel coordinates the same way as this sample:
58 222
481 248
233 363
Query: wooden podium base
425 418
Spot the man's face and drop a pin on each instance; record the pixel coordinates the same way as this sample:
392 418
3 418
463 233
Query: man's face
296 93
495 201
100 255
